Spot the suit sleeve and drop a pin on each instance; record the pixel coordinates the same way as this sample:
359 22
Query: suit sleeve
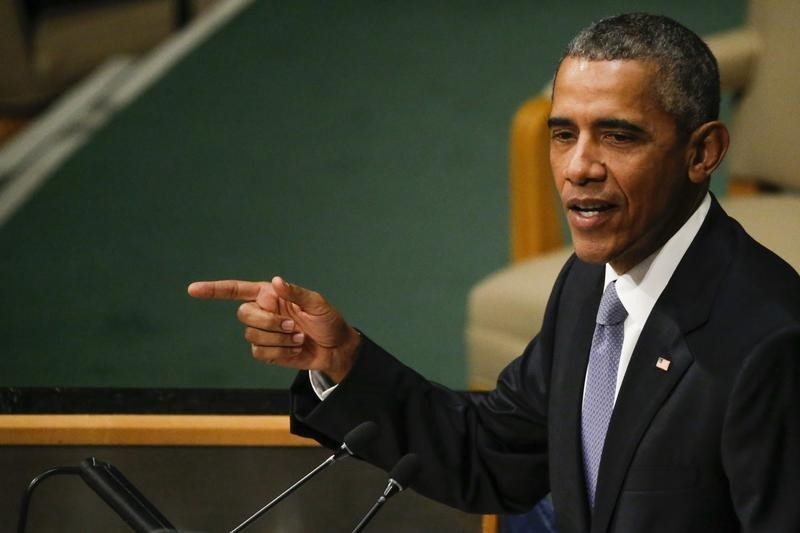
459 437
761 437
480 452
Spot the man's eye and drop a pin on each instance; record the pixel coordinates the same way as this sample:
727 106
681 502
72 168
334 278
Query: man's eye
561 135
619 138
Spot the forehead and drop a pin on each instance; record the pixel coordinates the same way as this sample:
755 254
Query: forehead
617 88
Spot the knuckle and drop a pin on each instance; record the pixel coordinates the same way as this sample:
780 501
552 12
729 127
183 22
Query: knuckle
317 296
263 353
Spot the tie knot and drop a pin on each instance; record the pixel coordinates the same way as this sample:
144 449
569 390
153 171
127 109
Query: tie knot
611 309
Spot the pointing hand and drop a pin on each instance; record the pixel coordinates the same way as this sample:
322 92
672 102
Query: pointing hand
288 325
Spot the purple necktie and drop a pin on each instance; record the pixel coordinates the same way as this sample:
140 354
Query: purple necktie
601 382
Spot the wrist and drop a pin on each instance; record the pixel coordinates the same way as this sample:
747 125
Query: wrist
344 356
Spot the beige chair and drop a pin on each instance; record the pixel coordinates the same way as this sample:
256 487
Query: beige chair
759 61
45 50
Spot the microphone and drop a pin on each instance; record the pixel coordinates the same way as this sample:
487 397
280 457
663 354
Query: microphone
400 477
120 494
356 438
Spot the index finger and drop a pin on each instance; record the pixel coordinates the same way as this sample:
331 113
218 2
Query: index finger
229 289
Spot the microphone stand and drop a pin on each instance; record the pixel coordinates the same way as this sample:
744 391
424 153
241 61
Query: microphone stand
328 462
113 488
373 510
26 497
356 437
402 474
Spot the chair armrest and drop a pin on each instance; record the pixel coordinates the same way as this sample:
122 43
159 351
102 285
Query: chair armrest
535 226
737 52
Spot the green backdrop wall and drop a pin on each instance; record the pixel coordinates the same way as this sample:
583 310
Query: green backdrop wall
355 147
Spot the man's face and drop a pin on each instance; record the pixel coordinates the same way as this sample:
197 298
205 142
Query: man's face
618 161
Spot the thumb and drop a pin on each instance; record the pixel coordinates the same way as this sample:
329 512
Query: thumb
309 301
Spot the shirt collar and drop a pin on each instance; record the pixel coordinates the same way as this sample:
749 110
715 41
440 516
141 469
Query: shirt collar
640 287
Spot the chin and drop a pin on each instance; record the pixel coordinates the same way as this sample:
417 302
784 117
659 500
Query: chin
591 254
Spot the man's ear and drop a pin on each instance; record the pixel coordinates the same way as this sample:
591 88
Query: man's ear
705 150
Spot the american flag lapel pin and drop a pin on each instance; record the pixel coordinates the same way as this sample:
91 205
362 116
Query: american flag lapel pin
663 364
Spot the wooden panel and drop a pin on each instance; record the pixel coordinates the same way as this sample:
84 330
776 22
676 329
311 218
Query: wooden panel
489 523
149 430
535 226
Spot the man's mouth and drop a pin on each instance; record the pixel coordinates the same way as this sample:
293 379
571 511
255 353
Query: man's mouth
589 210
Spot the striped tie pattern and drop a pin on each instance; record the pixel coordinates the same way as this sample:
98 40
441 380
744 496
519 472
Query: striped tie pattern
601 382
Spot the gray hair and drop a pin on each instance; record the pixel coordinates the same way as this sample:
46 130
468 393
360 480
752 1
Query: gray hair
689 78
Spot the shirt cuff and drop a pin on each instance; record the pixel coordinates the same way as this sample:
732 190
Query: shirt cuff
322 384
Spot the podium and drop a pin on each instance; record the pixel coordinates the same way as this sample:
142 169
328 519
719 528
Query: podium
206 458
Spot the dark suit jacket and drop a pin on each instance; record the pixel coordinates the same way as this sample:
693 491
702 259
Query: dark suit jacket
710 445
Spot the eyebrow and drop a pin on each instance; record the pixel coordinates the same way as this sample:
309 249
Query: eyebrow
554 122
619 124
614 123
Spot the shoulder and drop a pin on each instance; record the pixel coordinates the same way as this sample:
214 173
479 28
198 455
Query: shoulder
763 282
750 277
730 294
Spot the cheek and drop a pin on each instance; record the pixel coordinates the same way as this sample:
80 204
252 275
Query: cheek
558 163
649 200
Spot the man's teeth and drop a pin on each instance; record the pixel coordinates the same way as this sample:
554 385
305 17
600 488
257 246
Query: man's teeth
591 211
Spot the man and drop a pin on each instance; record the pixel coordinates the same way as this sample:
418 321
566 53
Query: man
663 391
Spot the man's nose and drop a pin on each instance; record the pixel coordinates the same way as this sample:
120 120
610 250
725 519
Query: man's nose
585 164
